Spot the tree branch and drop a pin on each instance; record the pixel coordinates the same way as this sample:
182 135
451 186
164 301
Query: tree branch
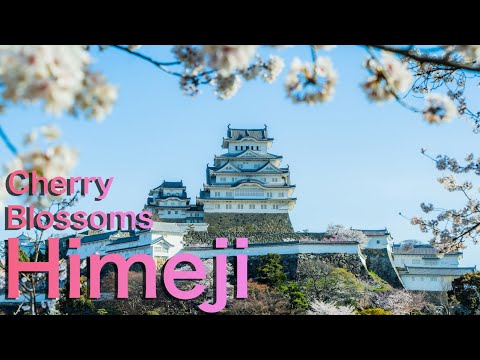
427 59
161 65
7 142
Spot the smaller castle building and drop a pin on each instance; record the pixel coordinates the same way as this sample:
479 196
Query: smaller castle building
422 268
169 202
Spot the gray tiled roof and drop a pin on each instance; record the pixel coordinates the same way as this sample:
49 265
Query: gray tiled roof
439 271
140 246
382 232
124 240
101 236
261 155
281 243
254 181
172 184
423 249
238 134
183 196
195 208
217 168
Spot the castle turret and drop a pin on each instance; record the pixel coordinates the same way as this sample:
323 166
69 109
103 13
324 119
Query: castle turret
169 203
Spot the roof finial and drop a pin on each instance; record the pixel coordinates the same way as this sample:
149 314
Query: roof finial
265 126
228 127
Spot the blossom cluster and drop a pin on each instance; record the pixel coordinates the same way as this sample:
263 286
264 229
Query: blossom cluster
57 75
318 307
311 82
223 66
340 233
55 160
390 77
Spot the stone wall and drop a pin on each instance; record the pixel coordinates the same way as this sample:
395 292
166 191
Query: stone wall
291 263
438 298
380 262
259 223
206 238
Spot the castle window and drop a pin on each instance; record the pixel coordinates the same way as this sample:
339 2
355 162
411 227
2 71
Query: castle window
241 147
281 194
236 147
217 193
176 212
263 207
223 179
217 206
169 212
258 148
251 206
247 147
264 179
434 278
275 207
240 206
229 194
229 206
274 179
249 193
378 241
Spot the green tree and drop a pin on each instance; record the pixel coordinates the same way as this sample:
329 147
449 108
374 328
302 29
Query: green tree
374 311
270 272
298 299
23 256
81 306
466 290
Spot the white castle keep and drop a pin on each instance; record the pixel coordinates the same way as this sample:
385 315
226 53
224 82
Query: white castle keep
247 178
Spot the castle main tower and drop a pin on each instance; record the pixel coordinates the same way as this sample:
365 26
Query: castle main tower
247 179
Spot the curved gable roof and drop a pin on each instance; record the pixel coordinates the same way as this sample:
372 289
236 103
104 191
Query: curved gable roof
228 164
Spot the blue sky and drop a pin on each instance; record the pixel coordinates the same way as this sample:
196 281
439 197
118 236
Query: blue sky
353 162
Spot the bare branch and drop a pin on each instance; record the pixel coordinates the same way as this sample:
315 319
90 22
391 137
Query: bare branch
7 142
427 59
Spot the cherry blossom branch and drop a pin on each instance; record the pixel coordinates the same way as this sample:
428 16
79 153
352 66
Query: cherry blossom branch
460 238
161 65
395 95
426 59
7 142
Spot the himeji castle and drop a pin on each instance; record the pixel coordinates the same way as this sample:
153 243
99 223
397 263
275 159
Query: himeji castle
247 178
248 192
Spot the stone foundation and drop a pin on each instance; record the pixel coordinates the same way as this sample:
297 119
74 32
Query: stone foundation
380 262
242 223
194 238
292 262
